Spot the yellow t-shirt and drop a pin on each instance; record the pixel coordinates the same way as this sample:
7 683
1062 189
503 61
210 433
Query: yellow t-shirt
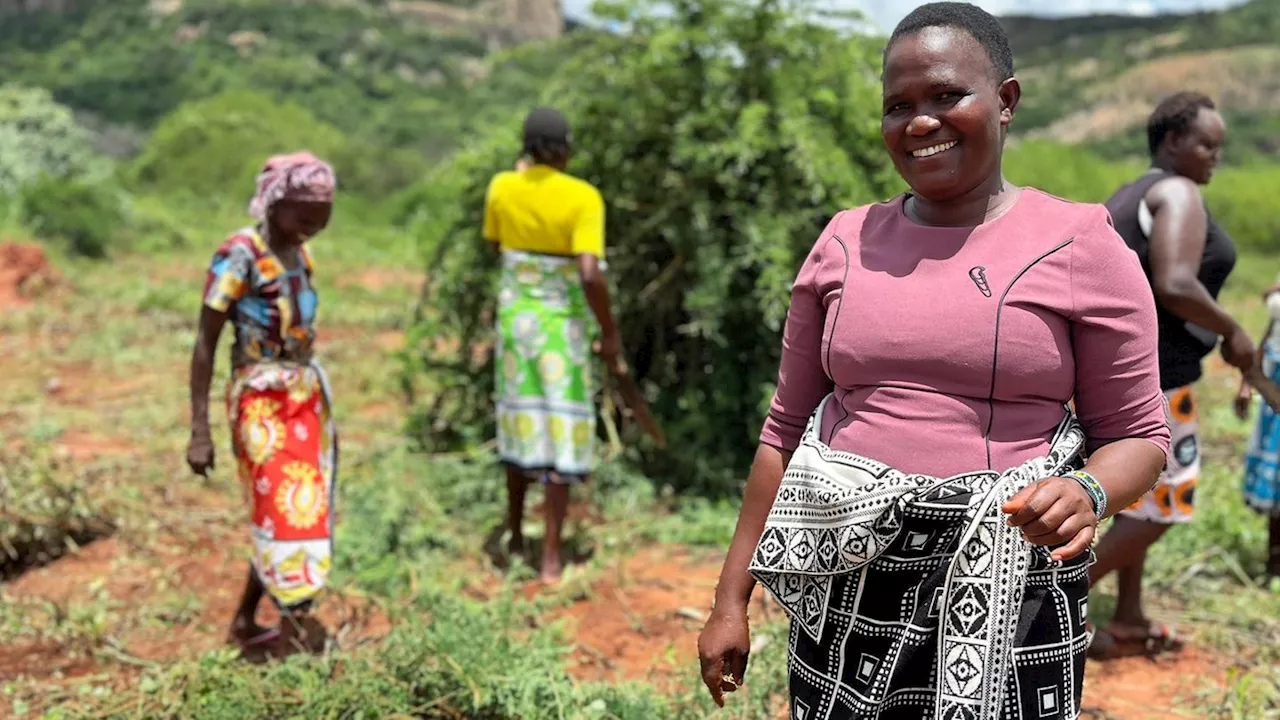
543 210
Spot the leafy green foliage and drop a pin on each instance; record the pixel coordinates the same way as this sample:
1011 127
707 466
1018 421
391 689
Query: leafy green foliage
722 136
85 214
210 146
38 137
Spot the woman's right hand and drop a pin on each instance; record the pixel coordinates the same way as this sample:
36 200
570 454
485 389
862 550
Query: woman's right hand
723 648
200 453
610 349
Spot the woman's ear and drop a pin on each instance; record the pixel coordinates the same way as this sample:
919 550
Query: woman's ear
1010 95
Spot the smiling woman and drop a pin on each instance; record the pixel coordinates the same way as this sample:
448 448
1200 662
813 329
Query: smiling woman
923 498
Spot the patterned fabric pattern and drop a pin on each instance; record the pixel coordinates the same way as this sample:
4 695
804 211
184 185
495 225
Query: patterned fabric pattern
286 447
272 310
1262 463
546 414
1172 500
911 597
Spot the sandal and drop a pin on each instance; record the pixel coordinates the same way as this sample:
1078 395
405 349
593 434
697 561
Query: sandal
1118 640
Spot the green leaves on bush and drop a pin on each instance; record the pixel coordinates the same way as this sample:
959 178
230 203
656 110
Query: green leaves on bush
216 147
38 137
85 214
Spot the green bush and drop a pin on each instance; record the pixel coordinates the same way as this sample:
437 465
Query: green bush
216 147
38 137
85 214
722 136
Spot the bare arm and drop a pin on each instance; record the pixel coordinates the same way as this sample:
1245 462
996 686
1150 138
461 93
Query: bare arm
735 586
1126 470
1177 246
725 642
597 291
200 450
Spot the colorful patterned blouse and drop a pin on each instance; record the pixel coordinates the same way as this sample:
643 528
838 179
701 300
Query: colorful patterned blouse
273 310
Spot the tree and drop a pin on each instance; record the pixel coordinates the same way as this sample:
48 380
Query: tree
722 134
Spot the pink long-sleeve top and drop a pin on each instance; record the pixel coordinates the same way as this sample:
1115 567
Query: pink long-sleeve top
955 349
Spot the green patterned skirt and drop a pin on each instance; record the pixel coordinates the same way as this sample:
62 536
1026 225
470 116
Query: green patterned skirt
545 397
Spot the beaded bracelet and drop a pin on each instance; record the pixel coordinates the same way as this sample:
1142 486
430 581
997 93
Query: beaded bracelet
1094 488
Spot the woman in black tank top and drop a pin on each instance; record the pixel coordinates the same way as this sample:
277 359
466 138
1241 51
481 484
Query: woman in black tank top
1187 257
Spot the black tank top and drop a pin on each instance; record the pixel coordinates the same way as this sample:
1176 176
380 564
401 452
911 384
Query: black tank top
1182 345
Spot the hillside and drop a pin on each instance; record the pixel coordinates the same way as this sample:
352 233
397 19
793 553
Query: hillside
416 74
406 73
1094 79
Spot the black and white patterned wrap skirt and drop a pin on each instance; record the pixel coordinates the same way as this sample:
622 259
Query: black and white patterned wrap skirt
910 597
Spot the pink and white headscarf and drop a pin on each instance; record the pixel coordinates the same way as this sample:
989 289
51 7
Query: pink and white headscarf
297 176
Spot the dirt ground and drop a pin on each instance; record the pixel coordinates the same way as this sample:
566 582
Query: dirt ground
25 272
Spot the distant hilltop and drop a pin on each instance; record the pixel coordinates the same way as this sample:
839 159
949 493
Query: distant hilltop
500 23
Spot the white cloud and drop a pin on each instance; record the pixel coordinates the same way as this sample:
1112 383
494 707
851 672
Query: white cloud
886 13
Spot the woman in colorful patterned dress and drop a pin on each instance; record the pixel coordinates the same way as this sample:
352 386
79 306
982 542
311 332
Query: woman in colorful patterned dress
549 227
278 399
1262 462
922 501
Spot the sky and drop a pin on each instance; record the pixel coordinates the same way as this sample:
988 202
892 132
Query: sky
886 13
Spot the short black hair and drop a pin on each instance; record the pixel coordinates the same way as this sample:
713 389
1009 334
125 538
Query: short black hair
547 138
980 24
1174 115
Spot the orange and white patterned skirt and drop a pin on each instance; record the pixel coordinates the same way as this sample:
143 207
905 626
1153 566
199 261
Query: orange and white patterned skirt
1172 500
286 448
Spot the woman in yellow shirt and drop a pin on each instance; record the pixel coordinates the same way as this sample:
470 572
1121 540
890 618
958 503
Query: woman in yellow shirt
549 227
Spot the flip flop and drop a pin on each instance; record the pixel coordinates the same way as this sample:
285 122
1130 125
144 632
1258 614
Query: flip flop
1157 638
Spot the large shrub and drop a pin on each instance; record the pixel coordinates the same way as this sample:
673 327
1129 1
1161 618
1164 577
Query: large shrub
722 135
216 146
38 137
84 214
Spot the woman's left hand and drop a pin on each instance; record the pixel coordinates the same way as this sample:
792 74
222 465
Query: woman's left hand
1054 511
